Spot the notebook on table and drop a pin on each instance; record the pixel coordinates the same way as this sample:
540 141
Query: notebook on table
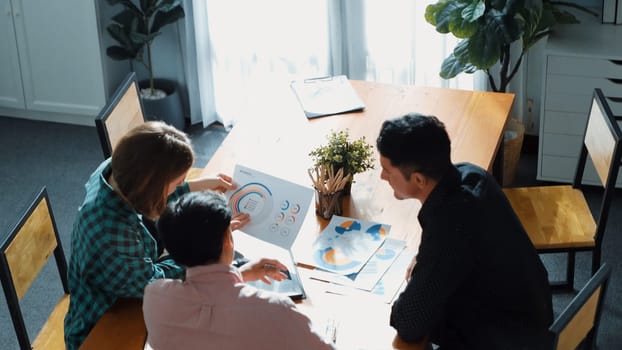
277 209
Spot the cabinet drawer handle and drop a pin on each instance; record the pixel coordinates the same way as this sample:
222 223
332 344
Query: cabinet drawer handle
616 62
615 80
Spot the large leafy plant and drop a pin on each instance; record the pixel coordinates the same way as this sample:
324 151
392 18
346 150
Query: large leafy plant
489 27
137 25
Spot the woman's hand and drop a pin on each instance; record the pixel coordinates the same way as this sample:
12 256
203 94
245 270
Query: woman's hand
239 220
262 269
221 183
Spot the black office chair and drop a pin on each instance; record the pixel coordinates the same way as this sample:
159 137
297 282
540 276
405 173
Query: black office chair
558 218
124 112
579 322
23 254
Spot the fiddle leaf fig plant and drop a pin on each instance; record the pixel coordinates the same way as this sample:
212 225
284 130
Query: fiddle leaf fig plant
489 27
137 25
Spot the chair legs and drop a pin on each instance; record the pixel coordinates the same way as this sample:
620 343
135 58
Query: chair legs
595 259
568 284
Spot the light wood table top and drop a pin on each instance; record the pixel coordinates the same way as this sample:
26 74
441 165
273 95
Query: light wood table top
277 138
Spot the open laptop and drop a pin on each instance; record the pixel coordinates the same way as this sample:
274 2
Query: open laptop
277 209
254 248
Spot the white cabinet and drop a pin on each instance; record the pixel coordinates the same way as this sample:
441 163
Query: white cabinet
11 93
50 60
578 58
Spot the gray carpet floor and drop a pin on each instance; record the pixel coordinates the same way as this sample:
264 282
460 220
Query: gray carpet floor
61 157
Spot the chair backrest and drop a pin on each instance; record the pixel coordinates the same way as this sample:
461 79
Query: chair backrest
580 320
602 143
23 254
122 113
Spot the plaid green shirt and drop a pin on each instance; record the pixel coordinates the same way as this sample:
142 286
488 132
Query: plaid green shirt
113 254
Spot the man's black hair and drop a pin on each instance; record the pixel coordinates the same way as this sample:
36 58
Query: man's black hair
193 227
416 142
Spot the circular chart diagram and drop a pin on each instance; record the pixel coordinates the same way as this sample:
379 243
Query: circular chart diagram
377 232
333 257
345 246
253 199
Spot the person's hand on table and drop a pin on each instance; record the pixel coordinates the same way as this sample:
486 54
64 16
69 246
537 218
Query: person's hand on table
221 183
262 269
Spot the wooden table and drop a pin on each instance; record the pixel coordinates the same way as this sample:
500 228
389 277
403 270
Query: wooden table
277 138
121 327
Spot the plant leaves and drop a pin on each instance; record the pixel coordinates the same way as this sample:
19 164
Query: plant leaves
458 62
162 18
119 53
474 11
122 36
444 13
463 29
432 10
128 5
501 27
484 49
496 25
451 67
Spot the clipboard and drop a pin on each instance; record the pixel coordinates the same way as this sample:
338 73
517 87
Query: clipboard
326 96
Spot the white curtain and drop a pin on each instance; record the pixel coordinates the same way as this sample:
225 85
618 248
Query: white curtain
246 49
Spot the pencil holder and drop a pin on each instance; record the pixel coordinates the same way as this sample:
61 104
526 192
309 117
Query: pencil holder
327 204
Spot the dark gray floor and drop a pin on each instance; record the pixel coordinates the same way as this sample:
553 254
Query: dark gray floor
61 157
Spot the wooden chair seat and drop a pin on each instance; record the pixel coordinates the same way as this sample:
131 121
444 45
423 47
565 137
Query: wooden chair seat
554 216
52 335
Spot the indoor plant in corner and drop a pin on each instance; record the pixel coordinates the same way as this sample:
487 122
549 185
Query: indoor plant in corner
134 29
353 156
489 31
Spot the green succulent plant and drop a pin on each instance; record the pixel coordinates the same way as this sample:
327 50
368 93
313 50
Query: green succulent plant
136 26
489 27
354 156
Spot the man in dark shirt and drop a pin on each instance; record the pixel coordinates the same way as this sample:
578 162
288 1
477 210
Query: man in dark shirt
477 282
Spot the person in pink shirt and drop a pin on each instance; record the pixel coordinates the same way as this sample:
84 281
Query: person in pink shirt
213 308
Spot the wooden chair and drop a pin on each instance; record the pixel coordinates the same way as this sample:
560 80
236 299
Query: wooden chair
124 112
23 254
578 323
558 218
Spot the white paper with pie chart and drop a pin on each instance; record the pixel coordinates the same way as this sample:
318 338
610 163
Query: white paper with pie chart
277 207
346 244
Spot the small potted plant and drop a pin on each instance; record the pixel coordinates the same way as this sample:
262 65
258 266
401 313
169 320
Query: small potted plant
134 28
353 156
